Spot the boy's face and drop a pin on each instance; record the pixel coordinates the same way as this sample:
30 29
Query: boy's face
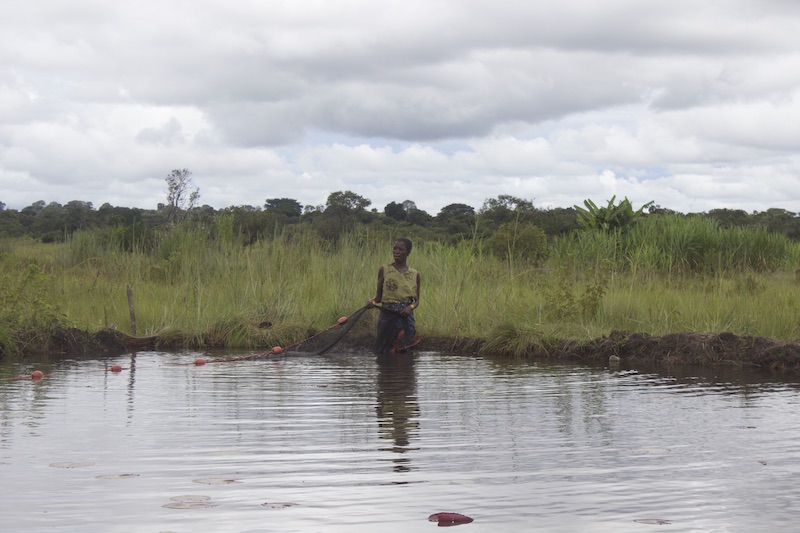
399 251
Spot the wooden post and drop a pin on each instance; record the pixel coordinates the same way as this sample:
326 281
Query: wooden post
132 311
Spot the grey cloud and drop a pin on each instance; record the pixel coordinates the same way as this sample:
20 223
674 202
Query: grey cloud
167 134
620 85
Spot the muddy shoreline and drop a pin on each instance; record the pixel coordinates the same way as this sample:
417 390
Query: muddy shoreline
703 349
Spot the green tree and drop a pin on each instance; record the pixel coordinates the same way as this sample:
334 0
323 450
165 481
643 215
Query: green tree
347 200
9 224
556 221
119 216
395 211
419 217
287 207
343 211
505 208
250 222
79 215
50 222
456 220
28 214
780 221
730 218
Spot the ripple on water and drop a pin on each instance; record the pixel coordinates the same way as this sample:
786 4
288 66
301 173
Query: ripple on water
380 447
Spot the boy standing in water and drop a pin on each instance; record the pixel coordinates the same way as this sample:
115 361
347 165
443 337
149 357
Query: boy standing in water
398 290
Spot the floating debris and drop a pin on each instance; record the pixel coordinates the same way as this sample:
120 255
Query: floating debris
116 476
215 481
190 502
653 521
449 519
278 505
23 414
71 465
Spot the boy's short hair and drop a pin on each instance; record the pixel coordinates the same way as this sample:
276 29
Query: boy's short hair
405 241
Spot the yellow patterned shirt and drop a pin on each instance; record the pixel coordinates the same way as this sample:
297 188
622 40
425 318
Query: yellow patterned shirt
397 286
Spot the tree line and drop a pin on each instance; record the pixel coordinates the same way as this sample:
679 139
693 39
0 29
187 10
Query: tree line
503 218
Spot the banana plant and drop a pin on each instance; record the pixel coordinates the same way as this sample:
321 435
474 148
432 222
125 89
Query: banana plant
611 217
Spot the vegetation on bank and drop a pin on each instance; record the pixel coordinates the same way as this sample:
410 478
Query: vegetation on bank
516 287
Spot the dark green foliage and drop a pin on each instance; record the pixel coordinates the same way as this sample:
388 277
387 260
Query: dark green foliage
286 207
730 218
129 229
395 211
343 212
418 217
571 297
514 242
457 221
249 223
347 201
25 306
10 225
504 209
556 221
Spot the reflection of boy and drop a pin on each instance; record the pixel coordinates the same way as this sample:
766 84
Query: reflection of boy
398 291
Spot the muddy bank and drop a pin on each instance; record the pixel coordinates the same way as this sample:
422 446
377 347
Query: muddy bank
705 349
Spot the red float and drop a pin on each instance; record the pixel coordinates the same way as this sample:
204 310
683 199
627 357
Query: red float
449 519
37 374
200 361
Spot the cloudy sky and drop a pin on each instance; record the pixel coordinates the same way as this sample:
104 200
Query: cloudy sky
692 104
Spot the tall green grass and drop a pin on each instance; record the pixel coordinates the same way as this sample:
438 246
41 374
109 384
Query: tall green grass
666 274
675 245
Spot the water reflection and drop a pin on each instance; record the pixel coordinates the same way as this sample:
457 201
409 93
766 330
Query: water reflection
291 444
398 408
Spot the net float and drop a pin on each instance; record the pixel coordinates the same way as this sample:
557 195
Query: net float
449 519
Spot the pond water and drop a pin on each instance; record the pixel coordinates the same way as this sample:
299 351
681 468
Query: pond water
351 443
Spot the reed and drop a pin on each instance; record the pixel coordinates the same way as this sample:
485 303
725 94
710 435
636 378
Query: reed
675 245
200 288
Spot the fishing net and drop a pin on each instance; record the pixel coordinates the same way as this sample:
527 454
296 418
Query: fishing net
324 341
394 333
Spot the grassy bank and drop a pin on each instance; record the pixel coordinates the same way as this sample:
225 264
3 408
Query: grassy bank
667 275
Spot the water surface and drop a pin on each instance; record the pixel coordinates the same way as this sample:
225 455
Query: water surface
351 443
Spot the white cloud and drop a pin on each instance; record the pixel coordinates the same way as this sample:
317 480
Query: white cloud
694 106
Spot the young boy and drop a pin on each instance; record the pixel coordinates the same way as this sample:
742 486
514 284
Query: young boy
398 290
